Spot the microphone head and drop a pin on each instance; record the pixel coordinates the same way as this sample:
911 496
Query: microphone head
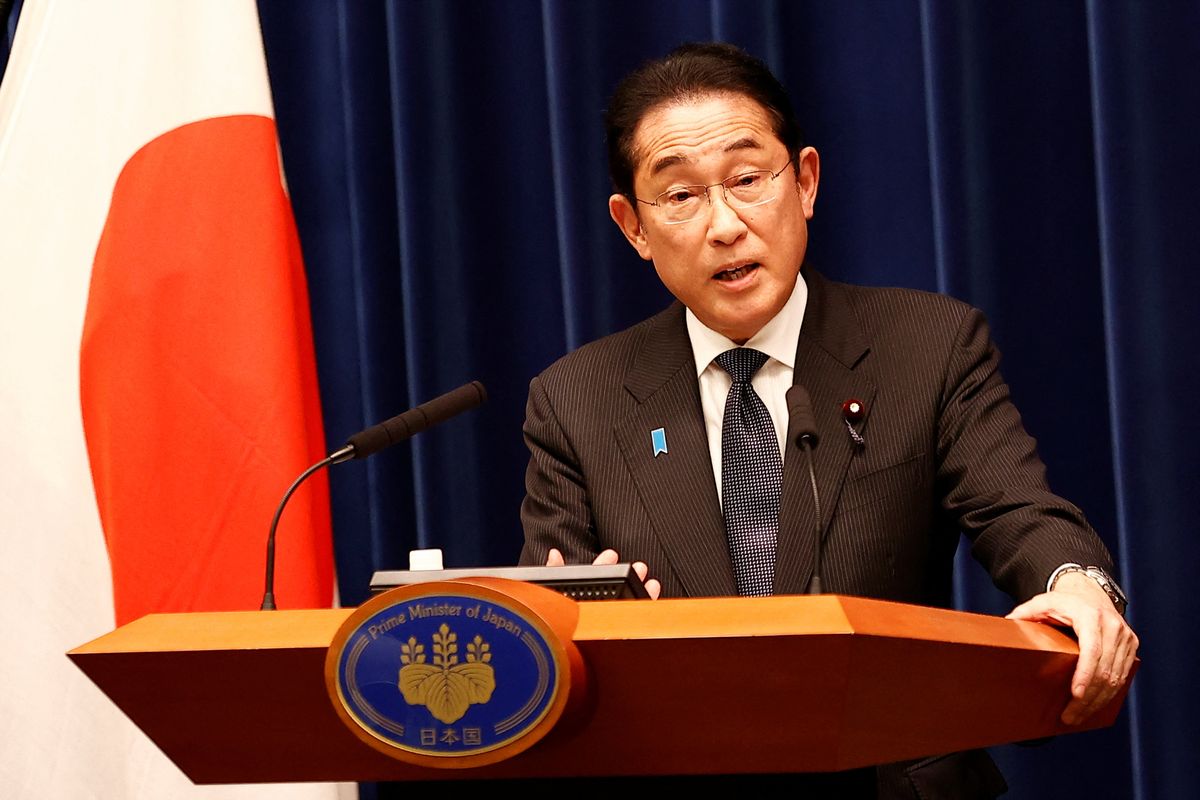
410 423
802 424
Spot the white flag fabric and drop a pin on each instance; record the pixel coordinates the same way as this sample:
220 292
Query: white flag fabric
157 378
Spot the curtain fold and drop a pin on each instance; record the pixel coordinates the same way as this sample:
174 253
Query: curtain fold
1143 62
447 167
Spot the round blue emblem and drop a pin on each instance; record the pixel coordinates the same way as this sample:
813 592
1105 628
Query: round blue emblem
445 674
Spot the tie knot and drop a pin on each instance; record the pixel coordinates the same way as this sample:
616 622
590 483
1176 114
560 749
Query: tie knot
741 363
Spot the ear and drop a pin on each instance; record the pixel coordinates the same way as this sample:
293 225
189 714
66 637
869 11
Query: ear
808 175
625 215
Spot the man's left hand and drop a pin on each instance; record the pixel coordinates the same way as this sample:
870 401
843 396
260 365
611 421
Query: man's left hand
1107 645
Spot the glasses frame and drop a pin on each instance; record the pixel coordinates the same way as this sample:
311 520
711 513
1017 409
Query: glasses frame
724 193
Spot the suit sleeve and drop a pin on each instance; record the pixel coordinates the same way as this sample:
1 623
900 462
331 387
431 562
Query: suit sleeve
993 483
555 511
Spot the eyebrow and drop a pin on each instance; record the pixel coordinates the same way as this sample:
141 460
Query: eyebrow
745 143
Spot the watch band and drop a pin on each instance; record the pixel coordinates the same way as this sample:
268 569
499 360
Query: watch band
1102 579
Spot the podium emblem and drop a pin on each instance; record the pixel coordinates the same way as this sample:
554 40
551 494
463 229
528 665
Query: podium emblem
446 687
446 674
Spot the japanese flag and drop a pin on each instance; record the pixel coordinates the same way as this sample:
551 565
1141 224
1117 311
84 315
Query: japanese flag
158 388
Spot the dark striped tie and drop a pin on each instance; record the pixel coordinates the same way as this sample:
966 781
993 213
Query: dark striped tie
751 475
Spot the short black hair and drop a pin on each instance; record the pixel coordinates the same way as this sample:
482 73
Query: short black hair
691 71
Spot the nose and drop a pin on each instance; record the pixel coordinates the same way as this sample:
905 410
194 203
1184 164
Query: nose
725 225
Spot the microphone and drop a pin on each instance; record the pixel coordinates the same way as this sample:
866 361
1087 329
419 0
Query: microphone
410 423
372 440
804 425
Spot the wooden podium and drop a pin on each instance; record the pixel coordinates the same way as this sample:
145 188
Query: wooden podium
693 686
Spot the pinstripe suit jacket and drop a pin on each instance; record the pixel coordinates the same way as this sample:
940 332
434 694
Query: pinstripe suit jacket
945 452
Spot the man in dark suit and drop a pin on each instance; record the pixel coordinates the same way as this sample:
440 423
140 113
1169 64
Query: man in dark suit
674 443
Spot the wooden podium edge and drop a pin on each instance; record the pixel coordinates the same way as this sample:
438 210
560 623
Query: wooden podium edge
609 634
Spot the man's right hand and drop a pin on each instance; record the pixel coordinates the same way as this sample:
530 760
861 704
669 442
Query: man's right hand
653 587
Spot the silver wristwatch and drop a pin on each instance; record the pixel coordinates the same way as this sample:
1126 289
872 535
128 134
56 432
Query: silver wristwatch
1101 577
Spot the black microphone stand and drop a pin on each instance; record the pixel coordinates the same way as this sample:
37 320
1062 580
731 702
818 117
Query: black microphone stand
268 601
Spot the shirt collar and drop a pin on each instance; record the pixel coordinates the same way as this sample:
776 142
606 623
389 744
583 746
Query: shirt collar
777 338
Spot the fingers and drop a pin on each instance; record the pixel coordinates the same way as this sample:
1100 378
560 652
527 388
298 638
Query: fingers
1127 652
1085 686
607 557
555 558
1039 609
1107 647
1118 646
653 587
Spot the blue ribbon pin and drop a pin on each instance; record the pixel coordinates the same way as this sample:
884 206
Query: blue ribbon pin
658 438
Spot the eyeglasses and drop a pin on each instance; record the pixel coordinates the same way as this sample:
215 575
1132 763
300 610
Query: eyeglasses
681 204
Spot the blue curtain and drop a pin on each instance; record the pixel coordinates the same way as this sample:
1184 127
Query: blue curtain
1038 160
10 11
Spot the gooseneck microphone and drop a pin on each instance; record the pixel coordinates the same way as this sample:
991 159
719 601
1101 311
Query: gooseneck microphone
372 440
410 423
802 422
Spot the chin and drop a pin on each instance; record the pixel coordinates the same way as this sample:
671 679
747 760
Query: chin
747 323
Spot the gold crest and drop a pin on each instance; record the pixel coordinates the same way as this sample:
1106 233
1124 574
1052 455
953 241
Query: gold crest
446 687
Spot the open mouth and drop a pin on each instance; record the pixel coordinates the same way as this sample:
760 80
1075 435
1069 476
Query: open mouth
736 273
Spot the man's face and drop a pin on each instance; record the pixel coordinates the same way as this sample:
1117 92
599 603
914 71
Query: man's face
734 268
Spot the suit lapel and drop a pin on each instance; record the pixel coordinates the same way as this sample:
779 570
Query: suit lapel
677 488
829 347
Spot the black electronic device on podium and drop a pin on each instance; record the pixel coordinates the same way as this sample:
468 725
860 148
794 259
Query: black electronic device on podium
577 581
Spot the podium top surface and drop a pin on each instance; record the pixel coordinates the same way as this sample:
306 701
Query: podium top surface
691 618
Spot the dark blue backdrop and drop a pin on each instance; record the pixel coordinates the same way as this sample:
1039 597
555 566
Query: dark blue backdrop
1039 160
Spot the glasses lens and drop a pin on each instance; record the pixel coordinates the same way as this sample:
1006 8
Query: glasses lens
750 188
681 203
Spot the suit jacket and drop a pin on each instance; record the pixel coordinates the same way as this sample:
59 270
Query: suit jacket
945 454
